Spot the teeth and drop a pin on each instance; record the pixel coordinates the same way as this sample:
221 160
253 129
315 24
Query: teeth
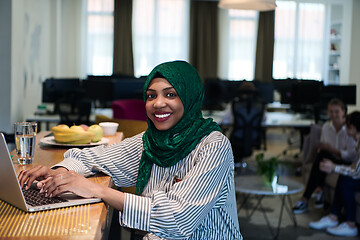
162 115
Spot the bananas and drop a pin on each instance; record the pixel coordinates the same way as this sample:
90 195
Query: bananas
72 135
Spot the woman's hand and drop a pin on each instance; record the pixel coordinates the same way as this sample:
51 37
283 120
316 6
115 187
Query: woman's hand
69 181
327 166
27 177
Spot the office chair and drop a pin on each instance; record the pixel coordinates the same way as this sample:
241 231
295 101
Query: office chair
247 130
74 109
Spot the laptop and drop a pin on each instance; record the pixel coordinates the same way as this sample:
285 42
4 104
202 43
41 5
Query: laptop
11 192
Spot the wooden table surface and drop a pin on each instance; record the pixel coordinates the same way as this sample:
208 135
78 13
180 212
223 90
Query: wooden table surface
88 221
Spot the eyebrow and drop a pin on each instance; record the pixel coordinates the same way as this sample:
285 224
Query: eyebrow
165 89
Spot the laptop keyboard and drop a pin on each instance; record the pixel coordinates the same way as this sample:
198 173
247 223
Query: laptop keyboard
34 198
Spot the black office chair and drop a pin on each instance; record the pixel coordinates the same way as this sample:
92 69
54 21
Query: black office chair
74 109
247 130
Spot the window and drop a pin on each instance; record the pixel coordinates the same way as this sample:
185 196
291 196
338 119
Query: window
238 34
160 33
100 25
299 40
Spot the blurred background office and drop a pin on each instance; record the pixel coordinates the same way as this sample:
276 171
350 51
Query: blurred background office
315 40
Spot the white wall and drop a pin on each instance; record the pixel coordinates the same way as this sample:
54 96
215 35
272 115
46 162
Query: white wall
5 64
354 63
30 51
39 39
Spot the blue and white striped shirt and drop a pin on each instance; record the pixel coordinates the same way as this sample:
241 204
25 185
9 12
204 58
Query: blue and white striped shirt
194 199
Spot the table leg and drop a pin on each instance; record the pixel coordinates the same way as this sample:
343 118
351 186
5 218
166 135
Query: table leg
288 209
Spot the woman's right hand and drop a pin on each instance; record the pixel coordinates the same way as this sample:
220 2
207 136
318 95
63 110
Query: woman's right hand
27 177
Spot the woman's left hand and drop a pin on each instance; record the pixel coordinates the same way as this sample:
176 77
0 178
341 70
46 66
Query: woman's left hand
69 182
327 166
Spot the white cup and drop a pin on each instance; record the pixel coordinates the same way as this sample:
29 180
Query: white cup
109 128
25 139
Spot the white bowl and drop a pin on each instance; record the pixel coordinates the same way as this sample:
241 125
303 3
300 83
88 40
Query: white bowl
109 128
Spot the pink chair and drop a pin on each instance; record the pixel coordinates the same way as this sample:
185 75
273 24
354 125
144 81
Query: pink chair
133 109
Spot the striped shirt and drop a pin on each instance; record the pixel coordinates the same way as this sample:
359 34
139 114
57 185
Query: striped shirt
194 199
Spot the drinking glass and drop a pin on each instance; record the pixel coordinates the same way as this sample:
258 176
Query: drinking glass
25 139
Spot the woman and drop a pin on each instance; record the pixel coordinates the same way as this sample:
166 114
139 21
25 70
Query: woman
336 145
182 166
348 184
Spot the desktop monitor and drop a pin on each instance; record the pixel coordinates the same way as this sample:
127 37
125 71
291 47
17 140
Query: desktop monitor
347 93
99 89
266 91
306 92
216 94
284 87
128 88
56 88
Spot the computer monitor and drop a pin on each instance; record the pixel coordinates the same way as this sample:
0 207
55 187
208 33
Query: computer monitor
216 94
105 89
306 92
284 87
128 88
266 91
99 89
57 88
347 93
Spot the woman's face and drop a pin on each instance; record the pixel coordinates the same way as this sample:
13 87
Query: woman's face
163 105
336 114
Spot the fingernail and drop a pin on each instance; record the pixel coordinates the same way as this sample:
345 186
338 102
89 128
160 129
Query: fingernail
50 195
41 190
46 194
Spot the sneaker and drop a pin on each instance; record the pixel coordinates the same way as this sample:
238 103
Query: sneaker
343 230
324 222
300 207
319 200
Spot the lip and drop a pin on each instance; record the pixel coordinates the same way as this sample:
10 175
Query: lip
162 116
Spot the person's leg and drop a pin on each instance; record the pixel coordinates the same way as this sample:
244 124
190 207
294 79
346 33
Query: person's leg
317 177
345 196
316 180
348 188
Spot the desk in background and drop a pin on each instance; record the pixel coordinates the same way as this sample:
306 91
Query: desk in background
273 120
90 221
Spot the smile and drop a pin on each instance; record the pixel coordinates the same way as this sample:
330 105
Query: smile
162 115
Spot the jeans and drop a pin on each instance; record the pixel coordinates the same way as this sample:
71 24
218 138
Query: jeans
317 177
345 190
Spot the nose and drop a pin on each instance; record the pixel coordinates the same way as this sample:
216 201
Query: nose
159 102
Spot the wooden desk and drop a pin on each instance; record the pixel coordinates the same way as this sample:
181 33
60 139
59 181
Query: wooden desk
90 221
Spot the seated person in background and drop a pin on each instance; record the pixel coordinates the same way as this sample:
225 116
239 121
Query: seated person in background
182 166
348 184
336 145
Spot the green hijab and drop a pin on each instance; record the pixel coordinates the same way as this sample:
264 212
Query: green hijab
166 148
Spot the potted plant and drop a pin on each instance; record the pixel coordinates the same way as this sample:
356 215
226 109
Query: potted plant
267 168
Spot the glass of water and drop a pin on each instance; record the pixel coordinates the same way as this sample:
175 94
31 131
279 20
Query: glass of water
25 139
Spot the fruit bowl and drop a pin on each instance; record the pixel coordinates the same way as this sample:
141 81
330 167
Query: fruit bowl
109 128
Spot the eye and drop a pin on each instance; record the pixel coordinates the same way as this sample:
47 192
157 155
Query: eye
150 96
171 94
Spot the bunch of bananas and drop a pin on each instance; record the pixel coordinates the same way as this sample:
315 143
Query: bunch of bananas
77 134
